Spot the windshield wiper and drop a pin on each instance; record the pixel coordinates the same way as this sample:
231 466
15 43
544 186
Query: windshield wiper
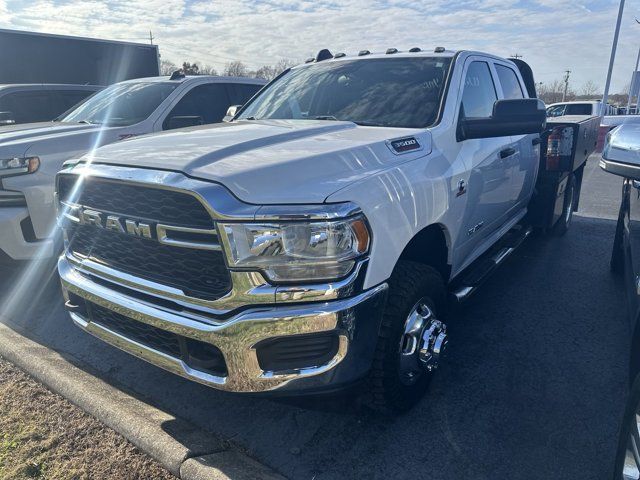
88 122
369 124
325 117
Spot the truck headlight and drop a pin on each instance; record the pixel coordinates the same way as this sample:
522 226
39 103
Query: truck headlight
18 166
297 251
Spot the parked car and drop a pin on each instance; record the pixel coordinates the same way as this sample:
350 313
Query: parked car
621 156
312 242
592 108
31 154
39 103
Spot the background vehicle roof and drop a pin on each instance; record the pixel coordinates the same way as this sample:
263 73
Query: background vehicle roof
574 102
195 78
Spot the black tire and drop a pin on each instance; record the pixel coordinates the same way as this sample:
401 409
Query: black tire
564 222
628 421
617 253
409 283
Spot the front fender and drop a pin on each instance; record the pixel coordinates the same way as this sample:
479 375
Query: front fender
401 201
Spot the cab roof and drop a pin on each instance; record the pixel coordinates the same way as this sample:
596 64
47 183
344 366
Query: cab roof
326 56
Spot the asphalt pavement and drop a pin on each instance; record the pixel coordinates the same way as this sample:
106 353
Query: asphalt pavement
533 386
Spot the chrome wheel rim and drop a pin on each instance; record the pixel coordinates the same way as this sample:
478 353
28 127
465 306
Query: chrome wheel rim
423 340
631 468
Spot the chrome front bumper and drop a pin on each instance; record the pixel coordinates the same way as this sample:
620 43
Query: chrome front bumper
354 319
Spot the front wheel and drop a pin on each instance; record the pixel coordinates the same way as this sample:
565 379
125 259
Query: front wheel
564 222
411 338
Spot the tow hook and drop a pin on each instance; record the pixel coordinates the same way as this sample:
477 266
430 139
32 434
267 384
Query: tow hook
433 345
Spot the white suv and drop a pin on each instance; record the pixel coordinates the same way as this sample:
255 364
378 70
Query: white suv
31 154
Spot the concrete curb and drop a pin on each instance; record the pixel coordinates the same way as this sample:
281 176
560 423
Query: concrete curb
186 451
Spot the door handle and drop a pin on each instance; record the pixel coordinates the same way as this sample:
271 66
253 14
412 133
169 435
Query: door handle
507 152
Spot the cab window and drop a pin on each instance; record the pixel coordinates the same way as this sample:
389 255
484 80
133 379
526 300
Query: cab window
202 105
240 93
479 93
28 106
509 80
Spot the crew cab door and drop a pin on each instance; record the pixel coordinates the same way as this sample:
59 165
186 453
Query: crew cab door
524 162
490 162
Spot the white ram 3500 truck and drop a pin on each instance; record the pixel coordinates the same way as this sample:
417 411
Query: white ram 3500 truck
312 243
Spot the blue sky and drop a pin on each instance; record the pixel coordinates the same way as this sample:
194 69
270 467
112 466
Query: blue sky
552 35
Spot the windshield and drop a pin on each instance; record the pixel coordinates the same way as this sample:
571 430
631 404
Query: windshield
389 92
121 104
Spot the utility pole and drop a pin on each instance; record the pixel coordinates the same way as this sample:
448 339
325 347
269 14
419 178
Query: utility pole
566 84
151 37
516 56
607 84
633 81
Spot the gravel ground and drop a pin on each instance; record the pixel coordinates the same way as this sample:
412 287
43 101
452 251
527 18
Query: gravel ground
42 435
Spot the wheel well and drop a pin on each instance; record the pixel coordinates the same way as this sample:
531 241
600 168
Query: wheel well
429 247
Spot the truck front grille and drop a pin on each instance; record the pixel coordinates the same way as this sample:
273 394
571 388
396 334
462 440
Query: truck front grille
198 273
161 205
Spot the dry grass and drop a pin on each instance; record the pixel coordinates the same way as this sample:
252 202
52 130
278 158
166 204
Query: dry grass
42 435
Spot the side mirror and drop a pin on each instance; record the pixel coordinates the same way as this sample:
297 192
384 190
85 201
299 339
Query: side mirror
231 112
510 117
183 121
7 118
621 153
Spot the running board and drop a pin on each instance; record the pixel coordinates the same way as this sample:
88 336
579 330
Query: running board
485 265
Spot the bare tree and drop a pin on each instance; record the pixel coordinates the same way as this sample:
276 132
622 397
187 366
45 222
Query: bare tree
590 89
236 69
167 67
267 72
190 68
551 92
283 64
208 70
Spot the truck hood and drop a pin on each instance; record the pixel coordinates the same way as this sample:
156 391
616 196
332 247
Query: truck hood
271 161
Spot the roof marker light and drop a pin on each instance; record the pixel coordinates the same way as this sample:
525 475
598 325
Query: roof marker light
439 50
415 49
323 54
363 52
391 51
340 55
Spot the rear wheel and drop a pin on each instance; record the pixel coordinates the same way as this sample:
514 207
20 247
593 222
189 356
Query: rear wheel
411 338
564 222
